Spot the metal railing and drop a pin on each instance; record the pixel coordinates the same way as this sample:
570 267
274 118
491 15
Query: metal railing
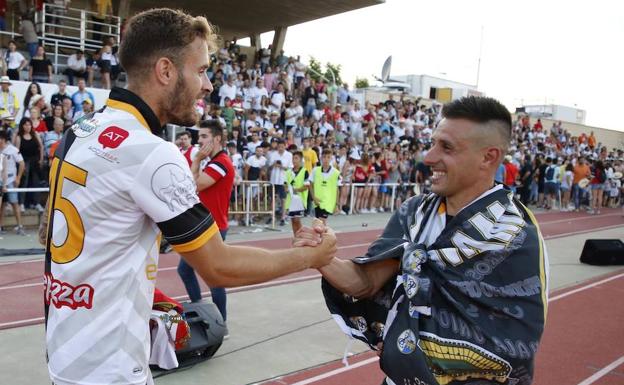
75 29
252 199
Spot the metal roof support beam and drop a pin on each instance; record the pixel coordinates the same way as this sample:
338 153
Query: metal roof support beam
255 42
278 41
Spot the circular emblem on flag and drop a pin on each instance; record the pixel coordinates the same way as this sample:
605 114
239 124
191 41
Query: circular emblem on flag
378 328
410 283
360 323
413 260
406 342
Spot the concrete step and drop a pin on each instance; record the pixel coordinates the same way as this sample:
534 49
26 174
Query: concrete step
30 218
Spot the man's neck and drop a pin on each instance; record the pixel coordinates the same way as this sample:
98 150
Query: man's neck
457 202
149 98
216 152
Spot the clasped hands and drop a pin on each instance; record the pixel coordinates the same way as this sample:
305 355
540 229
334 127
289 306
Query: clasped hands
319 237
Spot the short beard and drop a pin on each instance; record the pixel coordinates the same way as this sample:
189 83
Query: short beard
175 106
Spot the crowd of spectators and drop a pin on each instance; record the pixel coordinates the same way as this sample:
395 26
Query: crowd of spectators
272 107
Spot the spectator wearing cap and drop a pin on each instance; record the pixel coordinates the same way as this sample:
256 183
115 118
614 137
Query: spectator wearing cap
79 96
76 67
87 108
8 100
15 61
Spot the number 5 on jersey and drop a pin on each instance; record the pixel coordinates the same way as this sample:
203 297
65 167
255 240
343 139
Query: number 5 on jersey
71 248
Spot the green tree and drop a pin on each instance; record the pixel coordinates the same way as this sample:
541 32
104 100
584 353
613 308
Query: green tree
335 68
361 83
315 69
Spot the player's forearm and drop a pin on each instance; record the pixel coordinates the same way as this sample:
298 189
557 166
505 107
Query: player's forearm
347 277
246 265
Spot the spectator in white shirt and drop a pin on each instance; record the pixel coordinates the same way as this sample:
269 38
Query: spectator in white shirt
15 61
278 98
228 90
76 67
257 93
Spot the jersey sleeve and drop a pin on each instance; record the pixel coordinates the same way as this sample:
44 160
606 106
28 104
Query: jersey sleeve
216 170
166 192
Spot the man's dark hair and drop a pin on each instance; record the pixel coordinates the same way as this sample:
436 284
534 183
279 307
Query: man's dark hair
4 135
483 110
298 153
215 127
162 32
183 133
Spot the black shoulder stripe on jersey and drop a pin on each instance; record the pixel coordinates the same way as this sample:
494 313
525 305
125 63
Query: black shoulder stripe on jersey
220 165
187 226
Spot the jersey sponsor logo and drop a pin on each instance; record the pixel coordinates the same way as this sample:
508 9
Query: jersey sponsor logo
58 293
109 157
112 137
85 127
174 186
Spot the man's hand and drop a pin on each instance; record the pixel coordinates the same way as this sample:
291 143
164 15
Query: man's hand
204 151
325 252
310 236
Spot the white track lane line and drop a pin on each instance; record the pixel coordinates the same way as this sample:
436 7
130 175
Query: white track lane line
582 288
336 371
602 372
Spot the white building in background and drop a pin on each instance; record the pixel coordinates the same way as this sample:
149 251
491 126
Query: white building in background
554 112
431 87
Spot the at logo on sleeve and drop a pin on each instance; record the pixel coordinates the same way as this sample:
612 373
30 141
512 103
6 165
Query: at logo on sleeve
112 137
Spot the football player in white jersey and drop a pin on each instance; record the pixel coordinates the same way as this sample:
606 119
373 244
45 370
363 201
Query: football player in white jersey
115 187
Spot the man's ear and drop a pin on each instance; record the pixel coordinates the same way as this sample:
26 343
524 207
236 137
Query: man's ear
492 156
165 71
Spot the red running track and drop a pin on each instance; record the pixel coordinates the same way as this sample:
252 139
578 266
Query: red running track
583 343
21 288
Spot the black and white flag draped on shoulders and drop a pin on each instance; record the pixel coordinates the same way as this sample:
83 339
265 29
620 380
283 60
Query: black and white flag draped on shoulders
469 303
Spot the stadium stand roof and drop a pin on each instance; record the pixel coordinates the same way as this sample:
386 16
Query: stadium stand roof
252 17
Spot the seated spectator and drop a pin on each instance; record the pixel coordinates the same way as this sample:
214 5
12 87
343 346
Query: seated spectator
40 68
76 67
57 112
92 66
38 124
57 98
33 89
79 96
51 137
87 108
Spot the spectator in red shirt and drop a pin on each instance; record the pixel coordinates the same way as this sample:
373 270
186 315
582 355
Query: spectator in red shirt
214 185
511 173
